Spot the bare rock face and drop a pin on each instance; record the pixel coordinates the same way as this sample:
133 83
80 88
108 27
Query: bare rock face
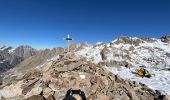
97 83
133 41
10 57
24 51
149 40
127 40
35 97
21 53
104 53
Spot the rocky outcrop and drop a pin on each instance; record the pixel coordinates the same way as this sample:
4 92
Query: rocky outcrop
104 53
52 83
73 46
127 40
133 41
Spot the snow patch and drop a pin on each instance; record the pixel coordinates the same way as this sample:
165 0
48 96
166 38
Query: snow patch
55 58
99 43
82 76
91 53
159 81
11 50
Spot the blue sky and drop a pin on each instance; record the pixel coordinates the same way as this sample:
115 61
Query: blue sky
44 23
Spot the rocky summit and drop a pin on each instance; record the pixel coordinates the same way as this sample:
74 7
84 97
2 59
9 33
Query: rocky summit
52 80
104 71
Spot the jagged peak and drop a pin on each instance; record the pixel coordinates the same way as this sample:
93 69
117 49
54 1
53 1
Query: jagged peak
133 40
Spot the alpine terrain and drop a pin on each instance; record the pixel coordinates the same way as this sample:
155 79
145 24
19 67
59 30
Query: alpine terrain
104 71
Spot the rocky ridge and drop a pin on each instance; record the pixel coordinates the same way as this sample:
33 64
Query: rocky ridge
52 80
132 51
151 53
50 73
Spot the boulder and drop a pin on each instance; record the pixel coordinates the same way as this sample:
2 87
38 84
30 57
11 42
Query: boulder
47 92
50 97
68 67
166 97
35 91
103 97
35 97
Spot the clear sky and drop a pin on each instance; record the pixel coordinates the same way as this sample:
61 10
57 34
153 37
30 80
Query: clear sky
44 23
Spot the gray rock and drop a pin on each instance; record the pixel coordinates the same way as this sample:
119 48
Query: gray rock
35 97
68 67
104 53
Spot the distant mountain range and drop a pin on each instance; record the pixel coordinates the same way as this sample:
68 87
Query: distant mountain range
10 57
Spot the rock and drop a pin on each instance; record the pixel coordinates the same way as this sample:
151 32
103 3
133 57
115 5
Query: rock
12 90
104 53
47 92
166 97
35 91
28 86
93 89
103 97
35 97
132 95
50 97
68 67
59 95
118 79
127 40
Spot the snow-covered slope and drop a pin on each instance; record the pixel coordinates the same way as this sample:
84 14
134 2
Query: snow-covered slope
152 53
160 79
92 53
